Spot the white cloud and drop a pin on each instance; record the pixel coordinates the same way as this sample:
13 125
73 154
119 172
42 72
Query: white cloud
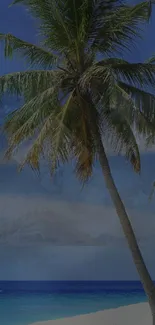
29 220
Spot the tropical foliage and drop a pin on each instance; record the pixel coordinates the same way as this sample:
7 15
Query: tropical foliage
79 82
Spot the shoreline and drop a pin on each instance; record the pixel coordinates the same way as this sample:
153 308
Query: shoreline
137 314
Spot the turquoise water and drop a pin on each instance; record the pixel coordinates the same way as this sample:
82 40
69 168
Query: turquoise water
22 307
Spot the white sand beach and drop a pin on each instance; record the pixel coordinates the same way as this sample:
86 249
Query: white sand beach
138 314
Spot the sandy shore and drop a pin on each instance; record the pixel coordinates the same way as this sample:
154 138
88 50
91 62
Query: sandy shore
138 314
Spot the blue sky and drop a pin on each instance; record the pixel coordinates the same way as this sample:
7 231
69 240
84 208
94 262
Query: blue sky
52 229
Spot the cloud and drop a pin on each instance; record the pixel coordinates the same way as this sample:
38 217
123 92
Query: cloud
38 220
28 221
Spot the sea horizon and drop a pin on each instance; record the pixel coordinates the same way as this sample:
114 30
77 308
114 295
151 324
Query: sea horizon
33 301
68 285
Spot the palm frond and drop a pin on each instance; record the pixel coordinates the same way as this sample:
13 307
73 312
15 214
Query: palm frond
138 106
38 145
122 26
33 54
25 122
53 23
85 158
151 60
32 82
43 120
120 136
140 74
136 74
102 25
61 135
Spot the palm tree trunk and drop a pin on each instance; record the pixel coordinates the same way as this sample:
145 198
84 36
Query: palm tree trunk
146 280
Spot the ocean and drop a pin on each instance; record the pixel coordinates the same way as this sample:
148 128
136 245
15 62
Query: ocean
22 303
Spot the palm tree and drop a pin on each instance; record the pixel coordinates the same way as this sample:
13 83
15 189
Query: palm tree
80 91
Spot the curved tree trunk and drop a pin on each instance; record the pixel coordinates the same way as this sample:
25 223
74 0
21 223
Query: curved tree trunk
146 280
